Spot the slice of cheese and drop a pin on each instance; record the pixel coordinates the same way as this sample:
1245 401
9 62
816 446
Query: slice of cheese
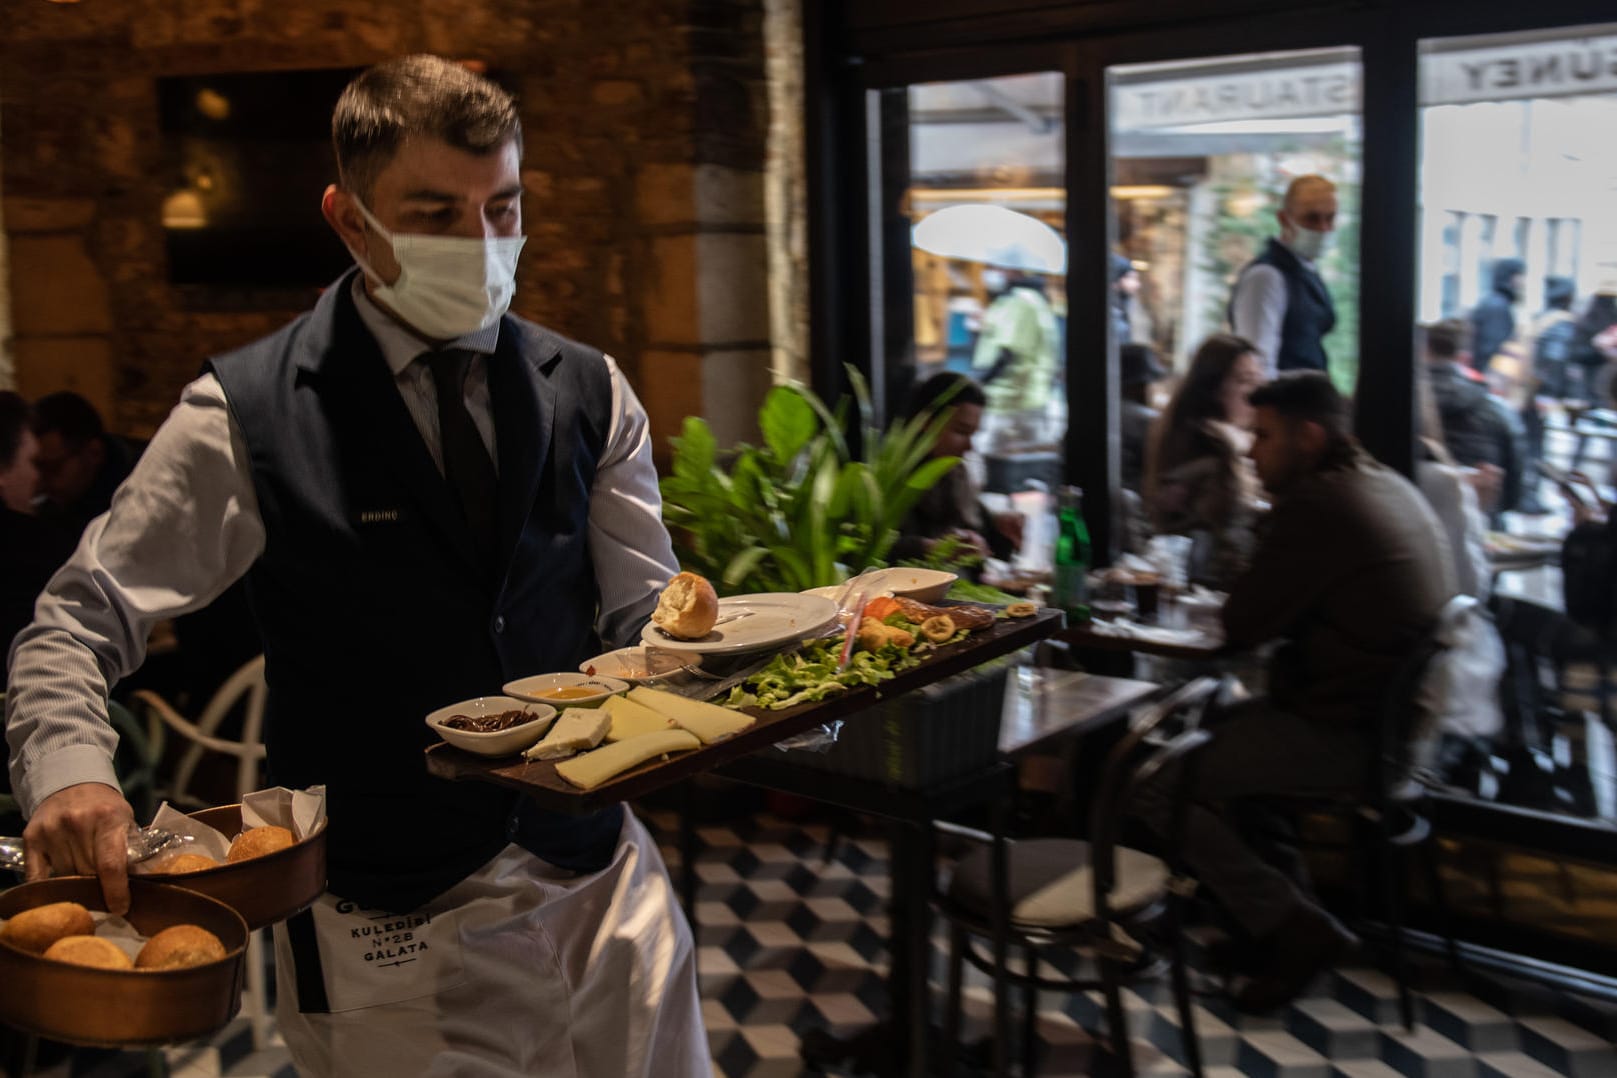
710 722
577 729
593 768
630 719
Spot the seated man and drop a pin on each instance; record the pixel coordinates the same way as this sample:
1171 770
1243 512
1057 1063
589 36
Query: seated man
80 464
1350 572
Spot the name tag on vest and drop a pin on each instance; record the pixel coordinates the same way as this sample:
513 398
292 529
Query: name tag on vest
378 518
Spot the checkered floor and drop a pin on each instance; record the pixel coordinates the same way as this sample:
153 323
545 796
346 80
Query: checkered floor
788 944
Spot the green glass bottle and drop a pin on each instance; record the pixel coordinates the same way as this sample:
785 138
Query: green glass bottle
1072 556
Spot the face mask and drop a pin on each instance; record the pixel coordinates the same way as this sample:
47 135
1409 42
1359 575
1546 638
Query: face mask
1309 244
994 280
448 286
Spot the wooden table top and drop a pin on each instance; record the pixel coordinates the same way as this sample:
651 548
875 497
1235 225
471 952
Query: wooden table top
1044 705
1203 644
538 778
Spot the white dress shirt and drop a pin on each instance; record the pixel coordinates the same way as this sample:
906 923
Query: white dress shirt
185 526
1259 307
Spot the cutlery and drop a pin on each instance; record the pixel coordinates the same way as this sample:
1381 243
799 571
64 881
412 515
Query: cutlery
142 845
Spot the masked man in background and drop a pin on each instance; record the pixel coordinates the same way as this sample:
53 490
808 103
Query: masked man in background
1280 302
428 497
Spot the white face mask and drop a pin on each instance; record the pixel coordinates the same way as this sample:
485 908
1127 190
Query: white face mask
1309 244
448 286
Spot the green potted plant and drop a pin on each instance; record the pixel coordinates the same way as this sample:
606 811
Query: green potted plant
801 510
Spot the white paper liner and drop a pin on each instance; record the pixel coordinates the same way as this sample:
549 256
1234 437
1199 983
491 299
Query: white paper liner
303 812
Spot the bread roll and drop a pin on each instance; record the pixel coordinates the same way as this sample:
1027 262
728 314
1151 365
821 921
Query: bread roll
687 608
179 946
88 951
182 863
36 929
258 841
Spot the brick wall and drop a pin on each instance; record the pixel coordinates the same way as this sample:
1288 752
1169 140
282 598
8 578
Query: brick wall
646 127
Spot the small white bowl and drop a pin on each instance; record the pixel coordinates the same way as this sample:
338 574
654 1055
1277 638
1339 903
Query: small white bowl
500 742
565 690
922 585
633 665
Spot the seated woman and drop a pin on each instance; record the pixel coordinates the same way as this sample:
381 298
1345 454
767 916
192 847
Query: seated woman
1198 481
951 508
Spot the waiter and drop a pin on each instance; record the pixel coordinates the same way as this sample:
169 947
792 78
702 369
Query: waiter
1280 302
428 497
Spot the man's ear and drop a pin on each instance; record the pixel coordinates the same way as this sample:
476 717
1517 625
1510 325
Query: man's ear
337 206
1311 437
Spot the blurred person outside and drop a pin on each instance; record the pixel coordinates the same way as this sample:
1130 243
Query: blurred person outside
1139 370
1493 319
428 496
1016 361
1280 303
952 509
80 463
1477 428
1350 573
1594 344
1125 287
1555 334
1197 480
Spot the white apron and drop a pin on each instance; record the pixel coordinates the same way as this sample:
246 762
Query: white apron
520 969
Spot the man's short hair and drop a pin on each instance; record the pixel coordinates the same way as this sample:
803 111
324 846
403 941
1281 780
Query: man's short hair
1303 185
70 416
1308 396
946 389
412 97
14 419
1445 339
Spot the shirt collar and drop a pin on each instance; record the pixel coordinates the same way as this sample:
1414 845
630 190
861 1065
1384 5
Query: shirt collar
399 346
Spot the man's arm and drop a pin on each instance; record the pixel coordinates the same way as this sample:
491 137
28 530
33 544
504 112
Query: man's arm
182 528
628 543
1289 570
1257 310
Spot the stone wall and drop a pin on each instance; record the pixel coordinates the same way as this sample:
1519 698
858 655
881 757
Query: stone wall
646 126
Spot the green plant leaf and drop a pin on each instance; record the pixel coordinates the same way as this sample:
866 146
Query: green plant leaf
695 451
787 421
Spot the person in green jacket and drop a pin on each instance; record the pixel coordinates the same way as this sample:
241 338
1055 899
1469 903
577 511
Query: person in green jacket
1016 361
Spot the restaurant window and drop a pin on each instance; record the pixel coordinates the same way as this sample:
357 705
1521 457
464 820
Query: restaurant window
1202 152
986 203
1516 143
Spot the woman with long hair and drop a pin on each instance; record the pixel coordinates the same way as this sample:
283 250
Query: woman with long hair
1198 482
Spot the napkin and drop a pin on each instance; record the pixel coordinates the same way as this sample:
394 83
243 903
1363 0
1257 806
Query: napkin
303 812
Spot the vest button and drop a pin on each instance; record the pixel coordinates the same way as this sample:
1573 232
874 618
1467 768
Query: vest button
499 624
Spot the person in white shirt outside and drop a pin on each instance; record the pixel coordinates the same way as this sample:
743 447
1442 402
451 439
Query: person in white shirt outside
1280 303
1016 361
427 496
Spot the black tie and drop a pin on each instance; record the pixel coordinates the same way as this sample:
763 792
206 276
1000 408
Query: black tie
466 461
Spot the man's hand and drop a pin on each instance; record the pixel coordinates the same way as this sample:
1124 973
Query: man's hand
83 830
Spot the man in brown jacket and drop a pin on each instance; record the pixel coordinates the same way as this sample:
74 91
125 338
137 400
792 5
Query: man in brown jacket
1350 572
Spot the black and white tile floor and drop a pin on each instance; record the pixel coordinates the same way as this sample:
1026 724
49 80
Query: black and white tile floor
788 944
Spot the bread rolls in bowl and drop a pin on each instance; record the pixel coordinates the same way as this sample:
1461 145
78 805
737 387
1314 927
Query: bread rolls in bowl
179 946
258 841
92 951
687 608
34 930
184 863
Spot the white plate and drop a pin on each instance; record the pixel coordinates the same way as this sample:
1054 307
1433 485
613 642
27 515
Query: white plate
633 665
769 619
498 742
539 688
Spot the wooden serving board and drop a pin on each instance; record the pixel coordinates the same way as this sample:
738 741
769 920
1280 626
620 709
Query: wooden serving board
538 778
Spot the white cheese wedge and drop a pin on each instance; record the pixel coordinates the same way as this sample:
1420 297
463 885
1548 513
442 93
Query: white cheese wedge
630 719
577 729
593 768
710 722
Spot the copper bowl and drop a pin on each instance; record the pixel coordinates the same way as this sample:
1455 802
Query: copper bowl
266 889
110 1008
